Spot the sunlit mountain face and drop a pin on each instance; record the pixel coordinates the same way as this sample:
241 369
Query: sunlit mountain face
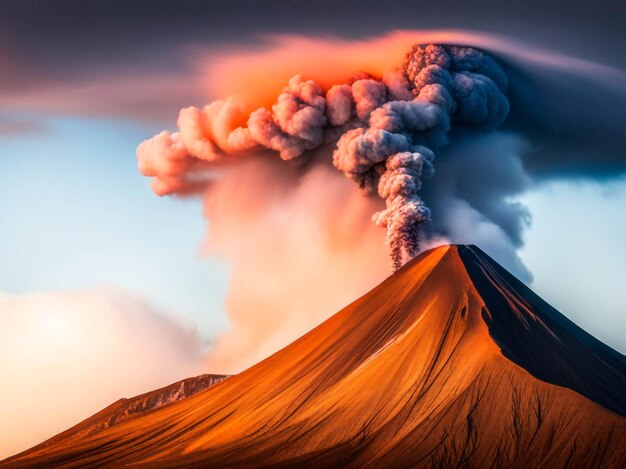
450 361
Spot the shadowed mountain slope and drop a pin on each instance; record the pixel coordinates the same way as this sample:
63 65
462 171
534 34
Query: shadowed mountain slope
448 362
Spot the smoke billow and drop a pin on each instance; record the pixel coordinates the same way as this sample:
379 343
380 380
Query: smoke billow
387 130
299 246
271 161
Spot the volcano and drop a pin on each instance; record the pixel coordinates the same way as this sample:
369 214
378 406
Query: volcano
451 361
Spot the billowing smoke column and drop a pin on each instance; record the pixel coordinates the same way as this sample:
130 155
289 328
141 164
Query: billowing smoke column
386 131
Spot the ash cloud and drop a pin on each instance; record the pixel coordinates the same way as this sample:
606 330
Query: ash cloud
388 131
436 145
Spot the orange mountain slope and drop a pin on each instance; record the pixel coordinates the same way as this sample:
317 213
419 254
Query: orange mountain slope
451 361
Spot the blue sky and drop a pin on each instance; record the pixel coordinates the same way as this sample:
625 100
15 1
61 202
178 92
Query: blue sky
77 214
576 250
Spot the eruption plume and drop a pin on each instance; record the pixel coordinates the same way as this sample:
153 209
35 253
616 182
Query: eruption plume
386 131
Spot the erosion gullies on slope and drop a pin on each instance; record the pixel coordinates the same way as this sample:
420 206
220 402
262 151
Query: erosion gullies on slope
430 368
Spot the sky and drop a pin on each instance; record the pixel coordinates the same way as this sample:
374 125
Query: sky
74 204
82 84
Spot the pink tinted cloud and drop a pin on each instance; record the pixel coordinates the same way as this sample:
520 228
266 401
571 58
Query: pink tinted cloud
66 355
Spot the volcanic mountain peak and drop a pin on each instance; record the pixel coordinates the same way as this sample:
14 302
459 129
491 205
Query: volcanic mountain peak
450 361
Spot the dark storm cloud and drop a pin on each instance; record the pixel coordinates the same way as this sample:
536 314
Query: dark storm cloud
42 28
574 120
77 57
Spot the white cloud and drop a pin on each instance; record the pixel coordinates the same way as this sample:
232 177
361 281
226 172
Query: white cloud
64 356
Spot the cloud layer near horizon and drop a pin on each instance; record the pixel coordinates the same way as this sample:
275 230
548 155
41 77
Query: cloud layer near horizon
66 355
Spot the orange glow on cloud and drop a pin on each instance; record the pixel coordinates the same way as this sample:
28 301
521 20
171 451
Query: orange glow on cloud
256 77
327 61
